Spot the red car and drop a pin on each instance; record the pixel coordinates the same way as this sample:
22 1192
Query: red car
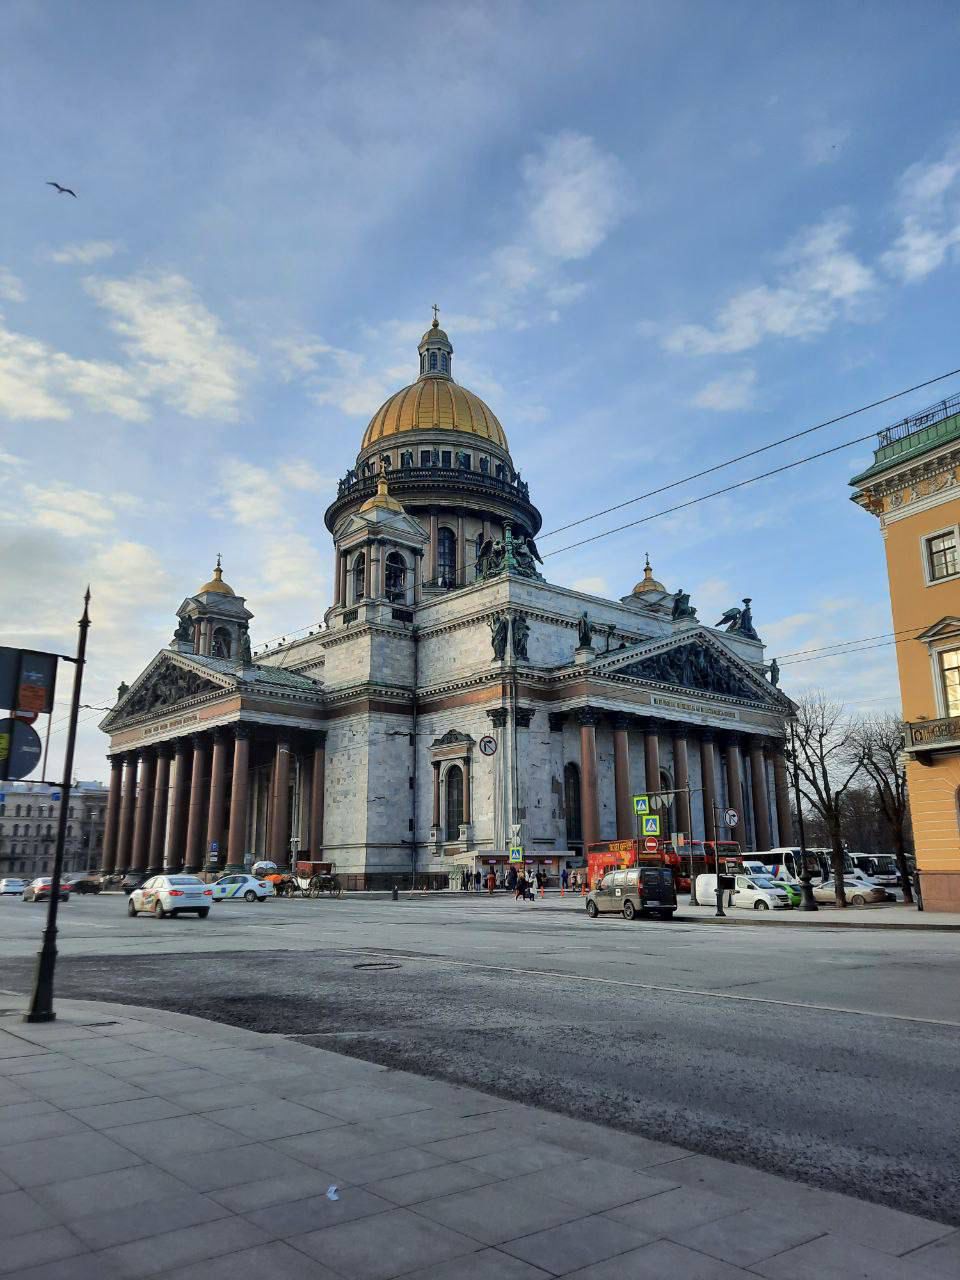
39 890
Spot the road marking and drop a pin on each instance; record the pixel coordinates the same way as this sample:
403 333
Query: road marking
648 986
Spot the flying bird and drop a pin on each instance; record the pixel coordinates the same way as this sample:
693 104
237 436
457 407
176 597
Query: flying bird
64 191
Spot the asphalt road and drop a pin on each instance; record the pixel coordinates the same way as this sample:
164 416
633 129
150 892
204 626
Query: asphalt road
829 1056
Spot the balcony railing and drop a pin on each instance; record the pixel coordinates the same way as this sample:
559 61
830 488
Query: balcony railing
356 484
929 417
933 735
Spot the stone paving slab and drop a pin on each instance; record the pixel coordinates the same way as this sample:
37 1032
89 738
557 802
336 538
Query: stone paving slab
110 1171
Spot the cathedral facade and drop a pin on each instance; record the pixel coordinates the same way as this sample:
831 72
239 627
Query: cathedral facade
453 703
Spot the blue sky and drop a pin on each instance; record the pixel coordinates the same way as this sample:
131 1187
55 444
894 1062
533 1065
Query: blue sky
658 234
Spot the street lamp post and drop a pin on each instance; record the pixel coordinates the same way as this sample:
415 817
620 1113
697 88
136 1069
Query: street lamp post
41 1003
808 902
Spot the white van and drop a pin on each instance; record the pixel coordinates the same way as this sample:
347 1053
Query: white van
757 893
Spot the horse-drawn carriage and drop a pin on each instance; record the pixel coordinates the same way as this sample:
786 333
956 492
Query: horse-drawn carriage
308 880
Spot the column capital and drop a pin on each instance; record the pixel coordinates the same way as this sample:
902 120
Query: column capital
199 741
680 733
319 739
651 724
164 750
242 731
556 719
620 720
116 761
524 715
498 715
587 717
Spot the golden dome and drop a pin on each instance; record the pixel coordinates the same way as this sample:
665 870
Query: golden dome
649 582
434 402
217 584
381 499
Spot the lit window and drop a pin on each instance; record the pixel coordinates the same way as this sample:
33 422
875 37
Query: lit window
950 675
942 555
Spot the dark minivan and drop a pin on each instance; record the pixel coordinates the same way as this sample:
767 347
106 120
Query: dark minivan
635 891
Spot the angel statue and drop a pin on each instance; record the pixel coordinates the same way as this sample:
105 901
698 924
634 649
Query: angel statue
584 632
730 620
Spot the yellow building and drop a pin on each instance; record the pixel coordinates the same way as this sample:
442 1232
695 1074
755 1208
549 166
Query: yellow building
913 487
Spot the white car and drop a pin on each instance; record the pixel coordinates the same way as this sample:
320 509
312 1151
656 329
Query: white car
171 896
760 893
11 885
249 888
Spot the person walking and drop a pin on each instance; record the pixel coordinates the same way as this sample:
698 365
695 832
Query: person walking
491 882
477 880
512 878
564 880
521 891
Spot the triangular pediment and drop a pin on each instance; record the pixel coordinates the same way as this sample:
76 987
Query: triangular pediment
693 663
946 629
397 523
169 680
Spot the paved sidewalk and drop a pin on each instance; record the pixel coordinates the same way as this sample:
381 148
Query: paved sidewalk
143 1143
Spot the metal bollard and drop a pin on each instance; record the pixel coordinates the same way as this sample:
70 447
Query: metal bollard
396 894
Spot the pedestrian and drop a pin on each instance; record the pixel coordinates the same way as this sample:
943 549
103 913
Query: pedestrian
491 882
564 880
512 878
465 883
477 880
521 891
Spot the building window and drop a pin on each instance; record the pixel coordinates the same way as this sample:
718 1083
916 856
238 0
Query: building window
477 548
942 556
668 822
571 804
485 465
359 575
446 558
501 471
406 458
396 576
17 811
16 828
446 458
950 679
425 457
433 360
443 362
29 810
454 801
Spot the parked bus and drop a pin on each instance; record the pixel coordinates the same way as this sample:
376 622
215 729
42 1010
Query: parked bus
617 855
699 857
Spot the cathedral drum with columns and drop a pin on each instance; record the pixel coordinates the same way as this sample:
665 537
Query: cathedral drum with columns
454 703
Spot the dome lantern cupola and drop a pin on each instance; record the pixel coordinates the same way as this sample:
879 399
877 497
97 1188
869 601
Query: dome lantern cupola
436 351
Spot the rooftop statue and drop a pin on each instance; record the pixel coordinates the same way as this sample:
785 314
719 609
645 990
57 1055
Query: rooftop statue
682 608
739 621
499 633
584 631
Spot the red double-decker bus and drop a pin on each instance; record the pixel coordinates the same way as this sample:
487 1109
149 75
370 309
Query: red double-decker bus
615 855
699 857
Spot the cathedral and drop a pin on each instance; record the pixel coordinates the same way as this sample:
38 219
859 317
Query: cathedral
453 704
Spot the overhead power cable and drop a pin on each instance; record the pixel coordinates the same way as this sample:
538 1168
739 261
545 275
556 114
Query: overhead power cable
752 453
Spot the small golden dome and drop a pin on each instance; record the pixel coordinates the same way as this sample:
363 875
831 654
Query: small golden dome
217 584
381 499
649 582
433 402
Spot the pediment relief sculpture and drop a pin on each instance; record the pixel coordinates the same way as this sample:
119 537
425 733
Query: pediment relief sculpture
164 688
692 666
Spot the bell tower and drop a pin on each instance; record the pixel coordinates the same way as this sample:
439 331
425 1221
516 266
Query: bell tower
214 623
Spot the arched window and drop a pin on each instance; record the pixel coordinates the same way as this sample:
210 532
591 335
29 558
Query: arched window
454 801
571 804
359 574
16 828
443 362
17 811
446 558
396 576
221 643
29 810
477 548
433 360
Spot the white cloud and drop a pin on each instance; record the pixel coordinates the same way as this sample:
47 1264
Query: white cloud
85 254
728 392
37 382
176 344
576 194
595 586
928 197
821 280
70 511
11 287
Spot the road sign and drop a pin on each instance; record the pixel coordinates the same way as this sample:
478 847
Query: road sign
488 745
20 749
27 680
651 825
641 804
516 855
730 817
214 847
651 844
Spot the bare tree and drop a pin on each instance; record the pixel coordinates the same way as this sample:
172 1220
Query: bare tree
878 743
827 763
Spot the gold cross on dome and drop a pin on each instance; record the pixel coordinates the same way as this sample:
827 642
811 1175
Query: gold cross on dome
436 314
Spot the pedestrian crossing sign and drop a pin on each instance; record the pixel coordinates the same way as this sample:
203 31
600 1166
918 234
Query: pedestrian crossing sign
651 825
516 855
641 805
